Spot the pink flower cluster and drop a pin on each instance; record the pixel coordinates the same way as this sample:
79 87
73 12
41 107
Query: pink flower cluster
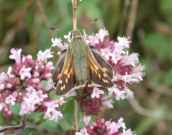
126 70
102 127
24 84
126 67
28 82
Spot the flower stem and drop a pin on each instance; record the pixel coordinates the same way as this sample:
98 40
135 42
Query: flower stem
74 11
76 126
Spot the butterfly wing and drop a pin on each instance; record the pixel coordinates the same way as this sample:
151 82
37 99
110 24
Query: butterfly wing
64 74
101 72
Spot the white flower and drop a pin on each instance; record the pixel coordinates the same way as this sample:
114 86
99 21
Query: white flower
82 132
2 86
3 133
68 36
113 127
131 59
15 55
134 77
128 132
1 106
57 42
95 39
121 46
121 123
92 40
44 55
96 93
61 101
48 84
9 72
102 34
10 100
120 94
108 103
54 115
25 73
31 99
123 42
3 79
86 120
52 112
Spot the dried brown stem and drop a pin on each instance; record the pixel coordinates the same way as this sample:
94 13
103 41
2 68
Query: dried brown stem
13 127
132 18
158 114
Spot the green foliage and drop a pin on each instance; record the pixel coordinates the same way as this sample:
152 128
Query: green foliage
158 46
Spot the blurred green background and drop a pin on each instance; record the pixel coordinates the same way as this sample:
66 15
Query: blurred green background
30 24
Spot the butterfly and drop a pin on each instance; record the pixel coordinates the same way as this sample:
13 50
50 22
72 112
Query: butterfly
80 64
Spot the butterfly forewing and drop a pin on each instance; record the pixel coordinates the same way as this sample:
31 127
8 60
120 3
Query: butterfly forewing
100 70
65 77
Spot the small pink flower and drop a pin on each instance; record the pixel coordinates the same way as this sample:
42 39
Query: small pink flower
131 59
108 103
32 98
52 112
102 33
120 94
123 42
82 132
102 127
25 73
86 120
44 55
16 55
3 80
57 42
97 93
2 105
11 100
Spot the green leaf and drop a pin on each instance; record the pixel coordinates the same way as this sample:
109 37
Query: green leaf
51 125
67 122
30 131
168 78
16 109
53 95
158 45
35 117
1 119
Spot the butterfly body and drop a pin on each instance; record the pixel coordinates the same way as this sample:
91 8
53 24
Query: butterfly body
79 65
79 51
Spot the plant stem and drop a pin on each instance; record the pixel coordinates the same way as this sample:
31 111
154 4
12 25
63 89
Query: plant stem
14 127
74 21
74 11
76 126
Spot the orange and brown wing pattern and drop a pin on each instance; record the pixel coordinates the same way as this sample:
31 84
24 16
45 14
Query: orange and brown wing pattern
101 72
65 76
